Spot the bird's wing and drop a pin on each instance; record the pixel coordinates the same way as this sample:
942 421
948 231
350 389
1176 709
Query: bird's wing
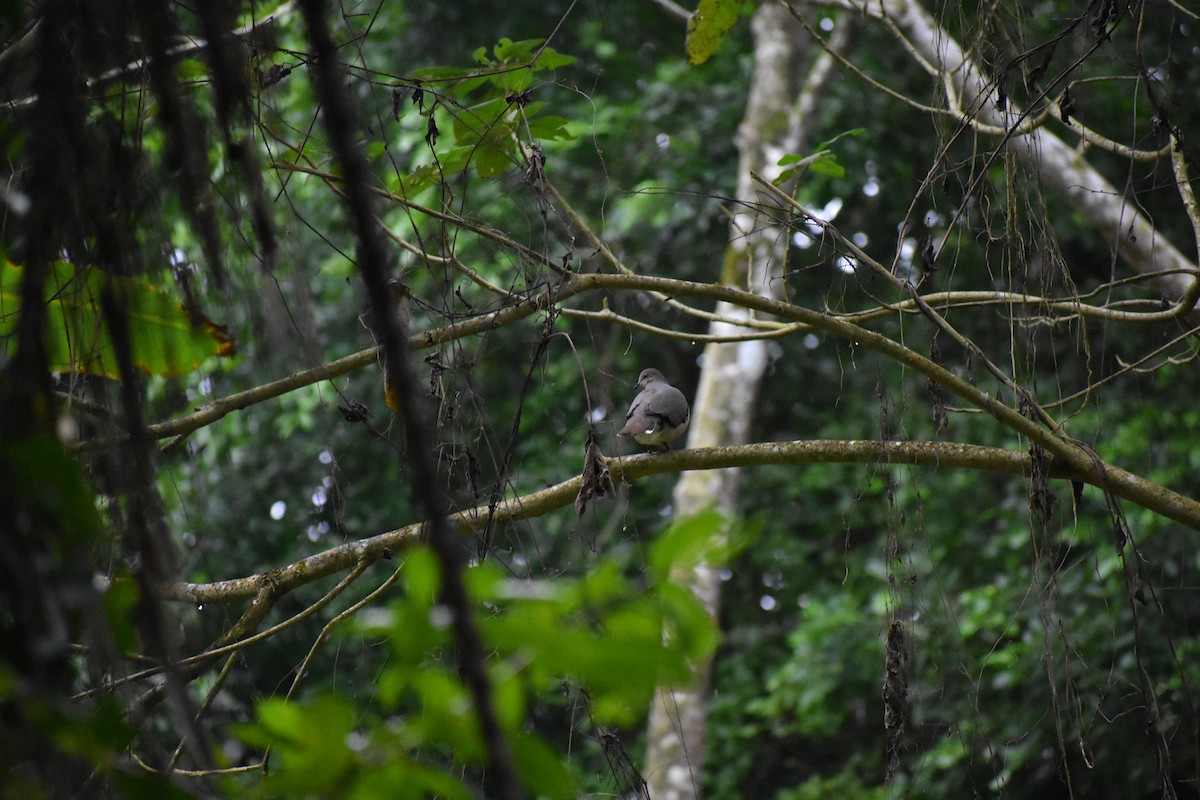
639 404
671 408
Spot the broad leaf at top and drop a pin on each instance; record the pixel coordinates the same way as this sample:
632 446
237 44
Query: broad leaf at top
707 27
165 340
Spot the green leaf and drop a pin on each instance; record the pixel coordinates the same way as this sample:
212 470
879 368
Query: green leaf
416 181
533 109
525 51
310 739
791 158
447 714
164 340
550 58
403 779
620 658
481 121
684 543
49 482
491 161
468 85
413 633
192 70
514 81
94 735
441 74
822 160
484 582
690 627
508 697
540 768
119 603
423 573
279 721
708 537
828 165
707 27
828 143
508 50
450 163
551 128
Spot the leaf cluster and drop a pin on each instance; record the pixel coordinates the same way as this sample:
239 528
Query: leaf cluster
610 638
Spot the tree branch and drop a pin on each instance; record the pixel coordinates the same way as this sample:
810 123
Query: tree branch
1059 167
1077 456
941 455
530 304
428 488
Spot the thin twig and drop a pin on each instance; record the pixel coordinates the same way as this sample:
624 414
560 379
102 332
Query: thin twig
1172 505
500 778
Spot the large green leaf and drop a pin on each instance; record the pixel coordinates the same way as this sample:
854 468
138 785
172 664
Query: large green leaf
707 27
49 482
165 340
706 537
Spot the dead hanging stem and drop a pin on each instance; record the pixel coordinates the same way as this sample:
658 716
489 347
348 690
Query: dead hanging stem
451 261
1078 310
580 283
1112 480
1136 366
920 303
1070 459
240 637
618 266
453 220
1071 308
606 314
1053 439
964 80
510 448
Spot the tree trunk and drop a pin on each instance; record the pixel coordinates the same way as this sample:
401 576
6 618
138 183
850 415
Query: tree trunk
731 373
1060 167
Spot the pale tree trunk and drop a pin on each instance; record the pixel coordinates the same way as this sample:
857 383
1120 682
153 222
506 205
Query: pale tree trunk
1060 167
731 373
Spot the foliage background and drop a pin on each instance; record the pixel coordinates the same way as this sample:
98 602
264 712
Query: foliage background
1030 651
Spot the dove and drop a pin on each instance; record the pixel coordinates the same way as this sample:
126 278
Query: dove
658 415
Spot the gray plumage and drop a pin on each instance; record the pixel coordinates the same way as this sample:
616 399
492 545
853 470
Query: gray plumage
659 414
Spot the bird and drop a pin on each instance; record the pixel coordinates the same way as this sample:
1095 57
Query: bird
658 415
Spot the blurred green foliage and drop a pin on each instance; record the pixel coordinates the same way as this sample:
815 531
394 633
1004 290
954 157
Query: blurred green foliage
1028 649
602 633
1018 640
164 340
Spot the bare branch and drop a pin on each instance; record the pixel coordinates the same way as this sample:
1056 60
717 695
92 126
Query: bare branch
1124 484
1060 167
